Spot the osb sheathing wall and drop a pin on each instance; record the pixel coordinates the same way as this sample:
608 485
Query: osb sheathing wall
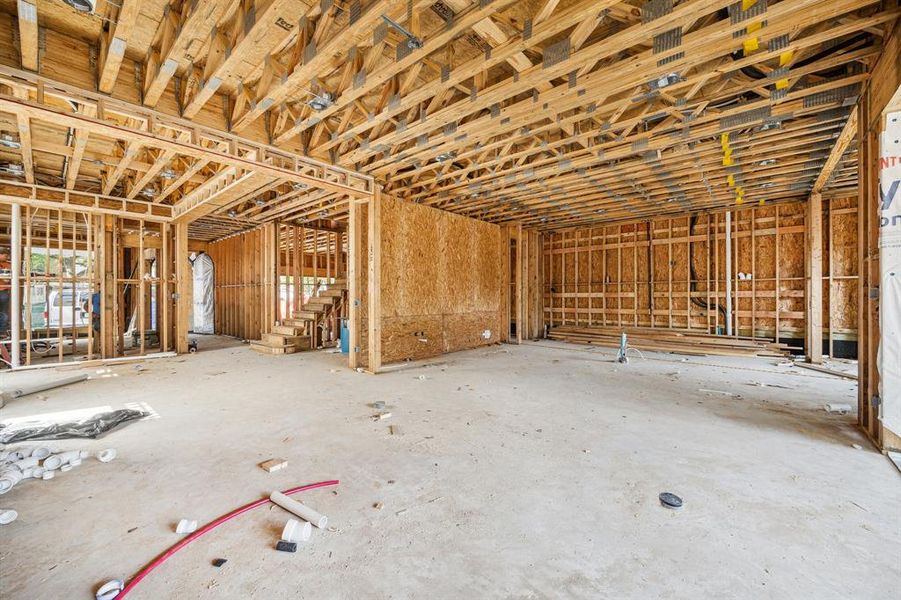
442 281
244 283
667 272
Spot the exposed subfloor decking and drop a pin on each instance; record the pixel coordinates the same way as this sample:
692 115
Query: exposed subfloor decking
519 472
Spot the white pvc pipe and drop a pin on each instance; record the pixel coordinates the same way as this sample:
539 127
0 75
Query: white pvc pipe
53 462
26 463
7 516
301 510
71 457
15 302
40 387
186 526
729 273
106 455
9 478
297 531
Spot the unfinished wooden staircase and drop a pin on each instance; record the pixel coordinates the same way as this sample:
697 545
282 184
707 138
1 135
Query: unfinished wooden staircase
299 332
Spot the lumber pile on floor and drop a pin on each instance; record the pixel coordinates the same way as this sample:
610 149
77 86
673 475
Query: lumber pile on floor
680 341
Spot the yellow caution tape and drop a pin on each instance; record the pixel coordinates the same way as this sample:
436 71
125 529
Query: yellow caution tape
730 180
727 161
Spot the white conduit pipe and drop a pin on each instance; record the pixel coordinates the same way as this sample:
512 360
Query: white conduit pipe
15 302
40 387
728 273
301 510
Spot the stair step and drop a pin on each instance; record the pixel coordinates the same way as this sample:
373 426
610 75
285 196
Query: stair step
298 321
277 340
331 293
288 329
314 303
270 350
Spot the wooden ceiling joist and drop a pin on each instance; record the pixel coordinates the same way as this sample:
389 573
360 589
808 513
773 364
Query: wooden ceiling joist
114 41
546 113
27 14
849 131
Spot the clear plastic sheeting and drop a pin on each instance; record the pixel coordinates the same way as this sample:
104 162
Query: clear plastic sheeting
202 315
889 359
92 427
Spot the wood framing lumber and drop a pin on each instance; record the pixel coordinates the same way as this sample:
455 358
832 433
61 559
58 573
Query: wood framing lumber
114 42
374 278
814 337
28 33
848 133
669 340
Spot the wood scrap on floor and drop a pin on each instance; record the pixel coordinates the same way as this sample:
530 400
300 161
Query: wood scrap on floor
679 341
273 464
827 370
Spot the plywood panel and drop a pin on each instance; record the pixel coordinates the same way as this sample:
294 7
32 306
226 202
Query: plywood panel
442 281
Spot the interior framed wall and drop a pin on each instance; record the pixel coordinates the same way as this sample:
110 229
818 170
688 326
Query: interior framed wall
671 273
90 285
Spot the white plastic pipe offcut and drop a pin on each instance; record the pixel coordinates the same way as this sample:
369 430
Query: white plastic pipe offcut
7 516
186 526
41 452
106 455
8 479
26 463
297 531
53 462
301 510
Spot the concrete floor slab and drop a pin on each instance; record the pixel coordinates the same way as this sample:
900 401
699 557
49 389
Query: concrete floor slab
514 472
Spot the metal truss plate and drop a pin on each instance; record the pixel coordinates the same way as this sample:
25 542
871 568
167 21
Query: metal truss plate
654 9
309 51
556 53
359 79
354 11
743 118
668 40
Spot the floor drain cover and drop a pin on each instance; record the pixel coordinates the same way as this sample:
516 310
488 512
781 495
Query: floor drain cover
670 500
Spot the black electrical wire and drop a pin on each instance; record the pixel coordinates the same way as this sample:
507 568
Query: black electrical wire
693 285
